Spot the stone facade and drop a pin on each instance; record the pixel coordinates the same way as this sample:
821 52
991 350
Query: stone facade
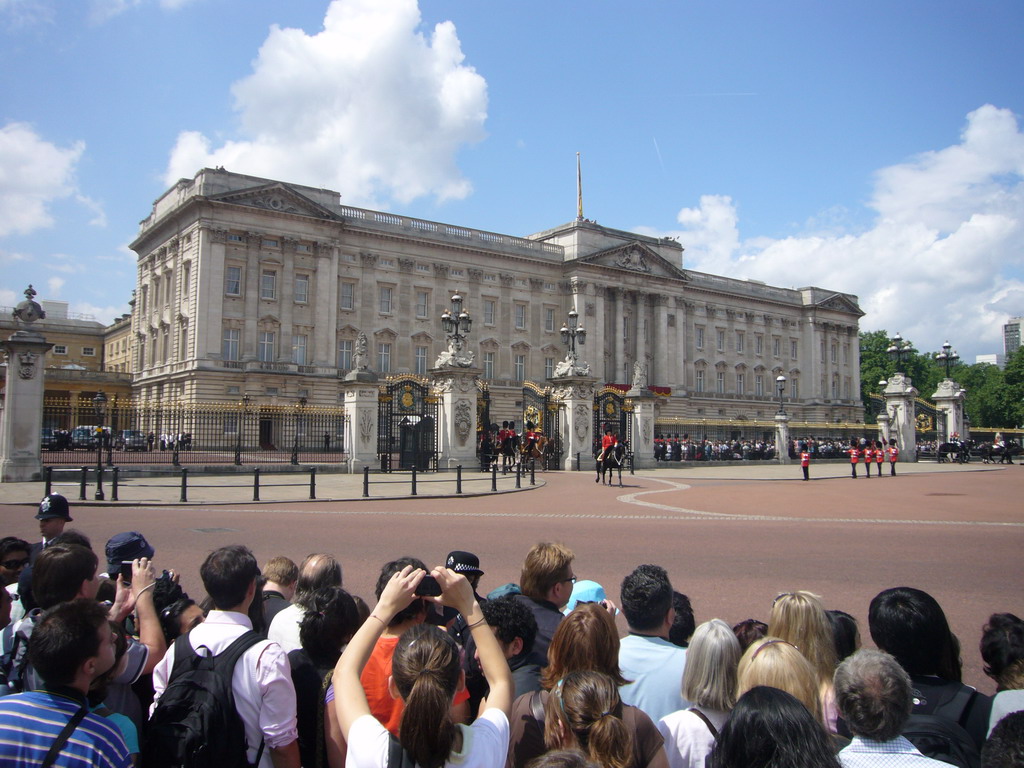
259 287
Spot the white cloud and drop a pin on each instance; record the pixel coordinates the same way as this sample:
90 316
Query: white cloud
101 11
369 106
942 259
103 314
33 174
55 284
26 13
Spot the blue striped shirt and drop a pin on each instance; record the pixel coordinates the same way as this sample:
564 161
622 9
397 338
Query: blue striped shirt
30 723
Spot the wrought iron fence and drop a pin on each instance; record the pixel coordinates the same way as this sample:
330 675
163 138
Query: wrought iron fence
178 433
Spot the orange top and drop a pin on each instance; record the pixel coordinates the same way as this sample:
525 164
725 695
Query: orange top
854 455
805 459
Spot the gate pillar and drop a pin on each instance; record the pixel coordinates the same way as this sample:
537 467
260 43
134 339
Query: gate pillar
21 422
456 388
643 427
361 422
899 403
575 398
949 399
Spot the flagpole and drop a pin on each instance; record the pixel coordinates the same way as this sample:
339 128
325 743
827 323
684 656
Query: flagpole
579 190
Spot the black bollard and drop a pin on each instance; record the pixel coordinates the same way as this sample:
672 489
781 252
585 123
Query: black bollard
184 485
48 474
533 472
312 482
413 480
366 482
85 479
458 479
256 484
519 475
494 476
577 461
113 485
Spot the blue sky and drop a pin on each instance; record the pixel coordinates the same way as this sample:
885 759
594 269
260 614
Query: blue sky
874 148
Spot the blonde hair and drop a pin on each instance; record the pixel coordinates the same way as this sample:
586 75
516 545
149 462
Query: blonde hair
710 676
800 618
545 565
777 663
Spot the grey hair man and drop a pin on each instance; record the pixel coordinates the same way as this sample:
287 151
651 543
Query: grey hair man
875 698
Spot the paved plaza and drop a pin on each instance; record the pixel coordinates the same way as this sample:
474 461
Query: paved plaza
731 537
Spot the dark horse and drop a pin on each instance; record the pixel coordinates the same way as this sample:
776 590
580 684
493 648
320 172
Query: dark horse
990 453
613 460
509 450
957 450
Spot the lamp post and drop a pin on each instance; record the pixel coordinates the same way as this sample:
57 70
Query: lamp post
780 387
456 323
295 444
573 333
241 423
948 356
99 404
899 351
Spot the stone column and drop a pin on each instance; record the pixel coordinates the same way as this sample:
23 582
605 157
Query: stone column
324 292
575 398
595 332
883 427
643 427
782 438
642 342
361 391
456 429
949 398
682 339
899 403
662 374
618 315
21 423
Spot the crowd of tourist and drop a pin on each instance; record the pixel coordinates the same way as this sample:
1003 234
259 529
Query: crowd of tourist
106 663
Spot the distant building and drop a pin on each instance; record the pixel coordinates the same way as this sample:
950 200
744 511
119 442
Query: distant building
260 287
75 367
997 360
1011 335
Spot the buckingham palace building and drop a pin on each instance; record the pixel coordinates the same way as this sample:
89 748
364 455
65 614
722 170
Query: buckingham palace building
261 288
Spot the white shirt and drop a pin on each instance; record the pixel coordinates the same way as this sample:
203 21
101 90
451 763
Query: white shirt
688 740
1003 703
484 743
898 753
284 629
656 668
261 682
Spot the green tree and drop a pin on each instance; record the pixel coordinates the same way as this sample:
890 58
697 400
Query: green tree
876 364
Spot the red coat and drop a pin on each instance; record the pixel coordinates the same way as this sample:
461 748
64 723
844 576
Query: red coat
805 459
854 455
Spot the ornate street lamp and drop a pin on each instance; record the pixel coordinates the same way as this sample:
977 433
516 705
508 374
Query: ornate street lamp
573 333
948 356
244 403
456 324
780 387
899 351
99 404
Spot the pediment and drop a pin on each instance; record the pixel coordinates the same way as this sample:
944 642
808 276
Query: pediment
269 319
635 257
348 330
276 197
840 303
550 349
422 338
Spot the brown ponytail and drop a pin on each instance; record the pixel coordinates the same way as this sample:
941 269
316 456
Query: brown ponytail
426 668
588 705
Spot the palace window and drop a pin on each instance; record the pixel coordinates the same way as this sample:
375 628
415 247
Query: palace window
699 384
720 341
421 360
549 367
520 317
488 311
265 350
519 374
720 382
793 348
386 293
346 298
740 341
345 354
488 365
549 318
268 284
299 349
699 342
758 344
759 385
422 303
301 289
741 382
384 357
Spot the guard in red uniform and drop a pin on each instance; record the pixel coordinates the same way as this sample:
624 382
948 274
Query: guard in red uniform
894 454
879 457
854 457
805 462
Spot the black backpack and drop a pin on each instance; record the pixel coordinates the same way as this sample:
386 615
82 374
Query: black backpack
195 723
939 734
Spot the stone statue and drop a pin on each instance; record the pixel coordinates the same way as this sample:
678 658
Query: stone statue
639 375
360 357
456 356
28 311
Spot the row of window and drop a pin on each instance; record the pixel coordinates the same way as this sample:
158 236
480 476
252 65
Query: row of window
741 343
700 384
62 349
266 351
